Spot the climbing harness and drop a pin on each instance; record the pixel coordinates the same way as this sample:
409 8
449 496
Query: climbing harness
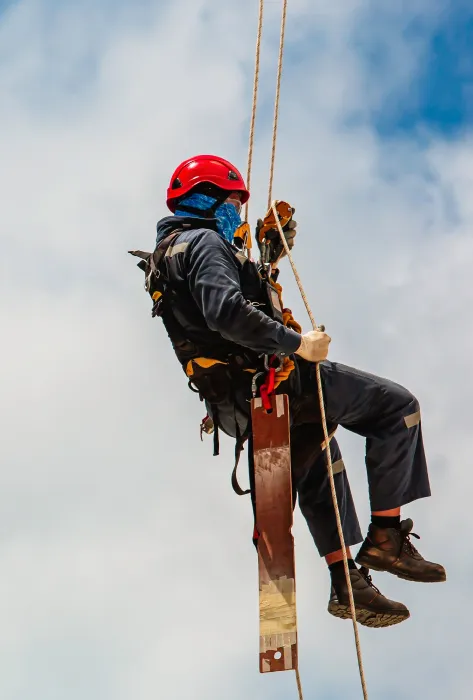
217 372
273 205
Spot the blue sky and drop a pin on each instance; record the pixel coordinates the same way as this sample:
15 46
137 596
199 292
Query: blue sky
99 101
440 96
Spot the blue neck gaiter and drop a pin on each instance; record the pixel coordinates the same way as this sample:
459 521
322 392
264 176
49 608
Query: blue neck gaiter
228 219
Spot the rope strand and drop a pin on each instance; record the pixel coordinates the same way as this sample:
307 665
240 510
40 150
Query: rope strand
329 459
299 685
255 100
272 204
271 176
276 101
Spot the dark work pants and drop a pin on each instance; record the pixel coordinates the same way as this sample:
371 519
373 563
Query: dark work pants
387 415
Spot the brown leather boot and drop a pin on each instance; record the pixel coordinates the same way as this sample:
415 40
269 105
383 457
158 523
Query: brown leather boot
391 550
372 608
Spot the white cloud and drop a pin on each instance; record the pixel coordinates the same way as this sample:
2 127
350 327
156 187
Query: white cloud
128 569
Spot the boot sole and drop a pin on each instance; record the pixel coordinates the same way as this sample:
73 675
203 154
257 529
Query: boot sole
404 577
368 618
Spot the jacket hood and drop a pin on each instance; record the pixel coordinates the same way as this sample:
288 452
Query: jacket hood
166 226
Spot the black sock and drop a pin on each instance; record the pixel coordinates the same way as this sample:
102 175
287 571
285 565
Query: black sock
382 521
338 569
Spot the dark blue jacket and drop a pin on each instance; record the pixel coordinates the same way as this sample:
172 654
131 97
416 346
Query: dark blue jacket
208 274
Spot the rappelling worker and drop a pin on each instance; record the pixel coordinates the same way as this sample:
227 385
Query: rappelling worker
223 315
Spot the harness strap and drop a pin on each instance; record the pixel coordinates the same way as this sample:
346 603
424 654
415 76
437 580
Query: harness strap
239 447
162 248
251 476
153 259
214 409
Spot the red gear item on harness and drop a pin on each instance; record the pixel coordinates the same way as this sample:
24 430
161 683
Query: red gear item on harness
205 168
267 388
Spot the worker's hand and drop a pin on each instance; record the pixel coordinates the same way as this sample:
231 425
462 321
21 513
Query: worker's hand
314 346
277 248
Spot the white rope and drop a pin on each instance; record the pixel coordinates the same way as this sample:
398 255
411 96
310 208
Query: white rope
272 204
255 100
329 458
276 101
299 685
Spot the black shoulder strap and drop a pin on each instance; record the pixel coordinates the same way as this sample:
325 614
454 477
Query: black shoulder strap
162 249
153 259
239 446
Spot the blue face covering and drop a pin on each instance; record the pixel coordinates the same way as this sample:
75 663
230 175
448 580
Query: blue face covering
228 218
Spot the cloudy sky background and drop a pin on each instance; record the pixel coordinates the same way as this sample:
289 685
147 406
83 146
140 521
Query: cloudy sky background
127 569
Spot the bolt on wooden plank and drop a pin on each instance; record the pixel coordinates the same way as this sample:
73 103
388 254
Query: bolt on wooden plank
274 519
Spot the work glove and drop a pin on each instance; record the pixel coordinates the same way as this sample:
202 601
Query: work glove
314 346
277 250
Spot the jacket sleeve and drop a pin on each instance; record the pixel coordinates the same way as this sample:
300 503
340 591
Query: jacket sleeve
214 282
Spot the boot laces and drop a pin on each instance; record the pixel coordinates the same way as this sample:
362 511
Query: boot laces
407 545
368 578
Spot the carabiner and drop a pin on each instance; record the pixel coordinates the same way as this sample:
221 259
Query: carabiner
267 366
254 388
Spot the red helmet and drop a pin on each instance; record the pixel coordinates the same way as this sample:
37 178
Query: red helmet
211 169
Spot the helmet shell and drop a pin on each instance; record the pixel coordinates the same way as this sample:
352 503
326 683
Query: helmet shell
205 168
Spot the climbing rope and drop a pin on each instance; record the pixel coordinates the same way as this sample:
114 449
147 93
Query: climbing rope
276 102
254 105
272 204
299 685
329 460
255 100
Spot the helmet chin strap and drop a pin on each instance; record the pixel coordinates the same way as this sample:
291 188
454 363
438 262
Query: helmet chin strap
206 213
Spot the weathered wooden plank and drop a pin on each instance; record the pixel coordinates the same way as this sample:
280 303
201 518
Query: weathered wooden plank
274 518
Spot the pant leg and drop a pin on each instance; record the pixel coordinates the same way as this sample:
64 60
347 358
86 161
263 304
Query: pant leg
388 416
311 482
